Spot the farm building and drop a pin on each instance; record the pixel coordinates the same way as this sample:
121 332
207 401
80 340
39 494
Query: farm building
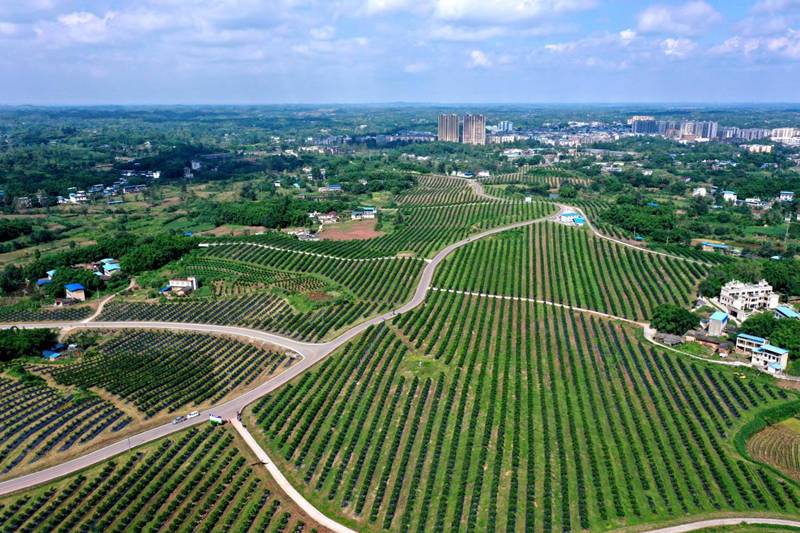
75 291
748 344
182 286
325 218
741 299
715 247
574 219
717 323
771 358
784 311
364 213
717 345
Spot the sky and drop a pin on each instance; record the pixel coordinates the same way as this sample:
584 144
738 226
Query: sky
91 52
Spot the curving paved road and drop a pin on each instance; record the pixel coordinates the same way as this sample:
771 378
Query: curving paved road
311 353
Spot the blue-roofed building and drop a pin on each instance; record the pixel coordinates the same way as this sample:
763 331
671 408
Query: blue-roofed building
784 311
717 323
109 269
652 204
51 273
571 217
748 344
43 281
75 291
771 358
715 247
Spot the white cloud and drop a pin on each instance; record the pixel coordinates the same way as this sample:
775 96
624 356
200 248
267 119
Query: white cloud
448 32
324 33
775 6
626 36
690 18
677 48
380 6
8 29
478 59
785 46
84 27
506 11
416 68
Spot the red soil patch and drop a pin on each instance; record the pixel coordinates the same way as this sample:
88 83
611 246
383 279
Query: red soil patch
358 230
318 296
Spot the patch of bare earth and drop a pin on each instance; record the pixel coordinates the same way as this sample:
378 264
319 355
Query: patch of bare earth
357 230
223 231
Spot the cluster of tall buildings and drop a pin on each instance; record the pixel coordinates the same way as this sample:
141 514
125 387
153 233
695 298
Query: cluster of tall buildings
691 130
472 130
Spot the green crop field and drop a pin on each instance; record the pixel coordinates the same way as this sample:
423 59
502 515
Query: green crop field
41 422
561 264
163 371
439 190
422 230
524 416
196 480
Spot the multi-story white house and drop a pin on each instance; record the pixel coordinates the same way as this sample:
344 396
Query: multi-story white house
729 196
741 299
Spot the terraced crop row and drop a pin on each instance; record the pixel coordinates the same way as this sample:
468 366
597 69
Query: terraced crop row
13 314
261 311
386 281
420 230
566 265
554 178
252 310
524 417
234 279
779 446
439 190
39 421
195 481
164 371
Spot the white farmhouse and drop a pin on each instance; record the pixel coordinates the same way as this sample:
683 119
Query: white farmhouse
741 299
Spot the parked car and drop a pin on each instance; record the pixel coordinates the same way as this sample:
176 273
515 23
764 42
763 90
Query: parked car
179 419
192 414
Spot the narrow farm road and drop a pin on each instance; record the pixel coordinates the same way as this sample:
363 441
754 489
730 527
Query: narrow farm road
720 522
310 354
284 484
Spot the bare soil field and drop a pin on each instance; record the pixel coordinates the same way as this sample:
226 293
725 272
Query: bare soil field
354 230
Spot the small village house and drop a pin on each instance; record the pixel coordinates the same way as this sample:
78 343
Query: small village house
75 291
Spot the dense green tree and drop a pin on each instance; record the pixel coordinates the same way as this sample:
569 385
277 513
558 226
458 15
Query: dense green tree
671 318
787 335
20 342
759 324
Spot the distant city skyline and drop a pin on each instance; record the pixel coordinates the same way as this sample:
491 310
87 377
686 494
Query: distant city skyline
88 52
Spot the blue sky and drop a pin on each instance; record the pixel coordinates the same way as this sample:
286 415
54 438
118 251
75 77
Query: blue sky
314 51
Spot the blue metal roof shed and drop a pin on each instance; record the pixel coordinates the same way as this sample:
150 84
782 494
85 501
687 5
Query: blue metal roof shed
72 287
753 338
719 315
787 312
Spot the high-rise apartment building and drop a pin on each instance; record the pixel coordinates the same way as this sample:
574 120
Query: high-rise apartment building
448 127
643 125
505 126
474 129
